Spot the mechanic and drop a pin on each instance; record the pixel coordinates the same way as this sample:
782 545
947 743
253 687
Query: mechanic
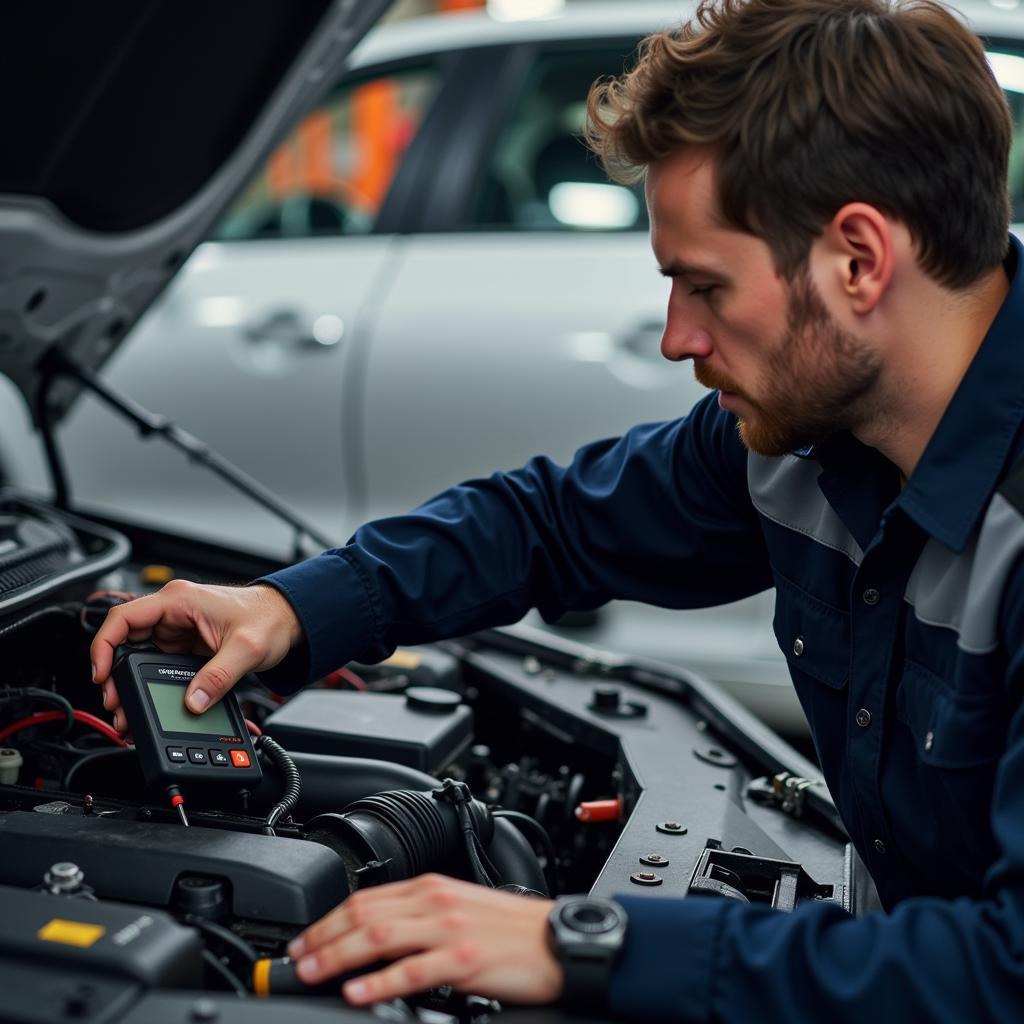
827 183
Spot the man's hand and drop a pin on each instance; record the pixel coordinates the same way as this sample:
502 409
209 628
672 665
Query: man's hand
439 931
241 629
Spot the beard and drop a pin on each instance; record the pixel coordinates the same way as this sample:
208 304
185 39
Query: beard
818 379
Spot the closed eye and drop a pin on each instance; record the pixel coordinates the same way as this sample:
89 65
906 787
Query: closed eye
703 290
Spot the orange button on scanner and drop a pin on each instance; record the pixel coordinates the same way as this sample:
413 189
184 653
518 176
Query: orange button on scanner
240 758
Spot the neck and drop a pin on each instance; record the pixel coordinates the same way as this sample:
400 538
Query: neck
932 355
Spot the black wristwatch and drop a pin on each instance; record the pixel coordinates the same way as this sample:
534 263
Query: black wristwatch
587 933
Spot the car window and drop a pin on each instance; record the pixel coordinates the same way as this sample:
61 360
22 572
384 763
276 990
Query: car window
541 176
1008 65
332 175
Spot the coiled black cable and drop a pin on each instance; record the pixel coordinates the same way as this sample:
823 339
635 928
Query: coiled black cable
292 780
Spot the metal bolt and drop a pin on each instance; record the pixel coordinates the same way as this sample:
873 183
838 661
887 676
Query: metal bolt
798 646
531 666
671 828
871 596
863 718
645 878
654 860
64 876
204 1010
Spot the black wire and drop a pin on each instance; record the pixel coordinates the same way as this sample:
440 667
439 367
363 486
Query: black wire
259 699
86 759
225 935
47 697
292 780
474 848
539 833
225 972
68 608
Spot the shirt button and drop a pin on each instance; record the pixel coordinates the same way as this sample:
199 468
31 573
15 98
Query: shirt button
798 646
863 718
879 846
871 596
929 740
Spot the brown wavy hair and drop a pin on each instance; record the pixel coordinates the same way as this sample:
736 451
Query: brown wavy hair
811 104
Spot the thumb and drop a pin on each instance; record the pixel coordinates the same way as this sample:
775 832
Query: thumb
218 675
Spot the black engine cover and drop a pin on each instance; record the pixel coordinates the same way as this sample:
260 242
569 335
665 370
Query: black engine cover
270 878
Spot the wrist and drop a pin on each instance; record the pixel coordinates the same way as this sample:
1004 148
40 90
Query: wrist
586 934
282 613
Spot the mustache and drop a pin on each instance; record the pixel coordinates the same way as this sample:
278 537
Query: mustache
713 379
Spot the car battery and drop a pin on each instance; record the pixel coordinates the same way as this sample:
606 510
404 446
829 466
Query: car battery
425 728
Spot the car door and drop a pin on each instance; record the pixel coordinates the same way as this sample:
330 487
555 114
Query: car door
249 347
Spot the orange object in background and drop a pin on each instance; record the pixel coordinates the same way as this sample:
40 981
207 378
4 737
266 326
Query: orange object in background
591 811
380 131
377 128
446 6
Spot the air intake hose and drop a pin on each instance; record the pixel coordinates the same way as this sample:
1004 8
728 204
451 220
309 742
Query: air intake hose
396 835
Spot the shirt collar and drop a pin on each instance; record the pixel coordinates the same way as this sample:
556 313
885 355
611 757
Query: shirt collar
962 463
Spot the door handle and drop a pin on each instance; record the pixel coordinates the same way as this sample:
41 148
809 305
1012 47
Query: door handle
288 329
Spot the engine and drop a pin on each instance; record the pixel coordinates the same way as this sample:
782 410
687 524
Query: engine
500 759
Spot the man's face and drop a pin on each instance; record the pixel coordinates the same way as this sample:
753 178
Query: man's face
783 365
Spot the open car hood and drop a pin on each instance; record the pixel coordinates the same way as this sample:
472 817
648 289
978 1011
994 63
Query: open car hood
131 125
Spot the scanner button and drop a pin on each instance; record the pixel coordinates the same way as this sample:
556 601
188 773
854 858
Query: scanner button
219 757
240 758
197 755
175 754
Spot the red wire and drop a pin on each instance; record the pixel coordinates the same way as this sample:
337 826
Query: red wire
41 717
346 674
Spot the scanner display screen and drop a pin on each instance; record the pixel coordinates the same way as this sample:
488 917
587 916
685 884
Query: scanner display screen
169 704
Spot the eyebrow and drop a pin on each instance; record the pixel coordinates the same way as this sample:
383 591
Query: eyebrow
677 267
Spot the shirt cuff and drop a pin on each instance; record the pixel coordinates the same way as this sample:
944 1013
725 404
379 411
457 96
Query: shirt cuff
666 964
330 598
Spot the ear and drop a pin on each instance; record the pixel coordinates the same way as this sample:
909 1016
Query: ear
859 247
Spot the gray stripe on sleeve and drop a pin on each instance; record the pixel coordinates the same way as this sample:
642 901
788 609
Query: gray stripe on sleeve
785 490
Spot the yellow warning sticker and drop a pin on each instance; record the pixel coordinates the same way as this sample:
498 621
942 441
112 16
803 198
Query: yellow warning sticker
403 659
71 933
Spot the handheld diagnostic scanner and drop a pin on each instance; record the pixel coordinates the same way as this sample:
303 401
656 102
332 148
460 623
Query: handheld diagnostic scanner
179 750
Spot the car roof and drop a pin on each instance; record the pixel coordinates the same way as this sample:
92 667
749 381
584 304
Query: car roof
588 20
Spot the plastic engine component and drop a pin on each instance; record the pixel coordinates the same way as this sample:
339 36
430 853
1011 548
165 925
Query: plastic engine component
105 939
376 725
271 878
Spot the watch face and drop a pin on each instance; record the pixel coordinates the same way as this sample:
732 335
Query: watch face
589 918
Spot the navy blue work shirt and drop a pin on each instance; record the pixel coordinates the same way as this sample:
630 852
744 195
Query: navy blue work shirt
901 614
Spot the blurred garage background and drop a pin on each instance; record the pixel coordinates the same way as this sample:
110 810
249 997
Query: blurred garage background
429 280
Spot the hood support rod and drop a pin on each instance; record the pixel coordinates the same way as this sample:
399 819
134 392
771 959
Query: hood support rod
57 363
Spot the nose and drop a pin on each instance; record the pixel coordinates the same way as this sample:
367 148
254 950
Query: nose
682 339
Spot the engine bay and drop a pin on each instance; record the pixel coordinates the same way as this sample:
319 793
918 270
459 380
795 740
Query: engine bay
507 758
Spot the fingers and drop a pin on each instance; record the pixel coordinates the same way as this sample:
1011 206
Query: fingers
414 896
241 652
444 966
111 699
381 940
133 621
